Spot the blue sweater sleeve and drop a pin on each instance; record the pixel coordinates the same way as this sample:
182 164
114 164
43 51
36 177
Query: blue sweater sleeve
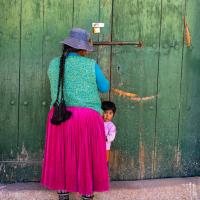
102 83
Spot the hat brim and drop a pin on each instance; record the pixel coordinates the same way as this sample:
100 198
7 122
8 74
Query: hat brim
78 44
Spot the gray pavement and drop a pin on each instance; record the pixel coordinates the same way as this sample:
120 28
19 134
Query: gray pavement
157 189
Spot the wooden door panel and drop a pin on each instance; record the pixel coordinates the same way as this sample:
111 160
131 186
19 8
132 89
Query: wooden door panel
135 70
169 78
188 152
9 77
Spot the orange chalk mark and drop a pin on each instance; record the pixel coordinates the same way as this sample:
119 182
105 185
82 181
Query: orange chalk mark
142 98
123 93
187 33
131 96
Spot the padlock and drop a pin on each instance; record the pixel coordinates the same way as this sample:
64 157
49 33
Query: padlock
96 27
96 30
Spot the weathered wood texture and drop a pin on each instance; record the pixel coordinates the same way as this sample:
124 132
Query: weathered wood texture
104 52
157 136
169 76
188 151
9 77
135 70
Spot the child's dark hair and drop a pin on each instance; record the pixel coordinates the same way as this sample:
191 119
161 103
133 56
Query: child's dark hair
108 105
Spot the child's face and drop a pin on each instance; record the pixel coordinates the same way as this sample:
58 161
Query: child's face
108 115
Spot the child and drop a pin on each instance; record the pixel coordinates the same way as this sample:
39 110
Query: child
109 109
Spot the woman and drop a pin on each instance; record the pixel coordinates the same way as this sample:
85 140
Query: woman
75 149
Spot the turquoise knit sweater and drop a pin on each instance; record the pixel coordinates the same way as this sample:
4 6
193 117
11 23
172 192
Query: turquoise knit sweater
80 87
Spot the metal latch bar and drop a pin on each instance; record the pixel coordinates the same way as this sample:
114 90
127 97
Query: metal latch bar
138 44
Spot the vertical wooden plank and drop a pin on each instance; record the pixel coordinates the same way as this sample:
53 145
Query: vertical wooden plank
124 159
58 16
146 63
32 101
85 13
104 52
169 88
9 76
135 70
57 23
44 25
124 163
188 159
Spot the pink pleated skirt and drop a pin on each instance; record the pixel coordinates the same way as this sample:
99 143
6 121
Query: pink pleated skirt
75 153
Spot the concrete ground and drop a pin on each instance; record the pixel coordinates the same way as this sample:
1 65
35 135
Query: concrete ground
157 189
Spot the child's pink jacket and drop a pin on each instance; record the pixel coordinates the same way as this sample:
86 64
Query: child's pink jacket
110 131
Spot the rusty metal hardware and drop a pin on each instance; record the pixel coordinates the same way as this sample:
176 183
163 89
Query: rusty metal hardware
138 44
96 27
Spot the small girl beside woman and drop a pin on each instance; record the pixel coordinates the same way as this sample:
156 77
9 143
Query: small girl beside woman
109 109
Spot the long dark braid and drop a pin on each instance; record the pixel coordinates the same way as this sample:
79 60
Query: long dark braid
66 50
61 72
61 113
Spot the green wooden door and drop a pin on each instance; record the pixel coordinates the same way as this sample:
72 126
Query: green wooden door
158 133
